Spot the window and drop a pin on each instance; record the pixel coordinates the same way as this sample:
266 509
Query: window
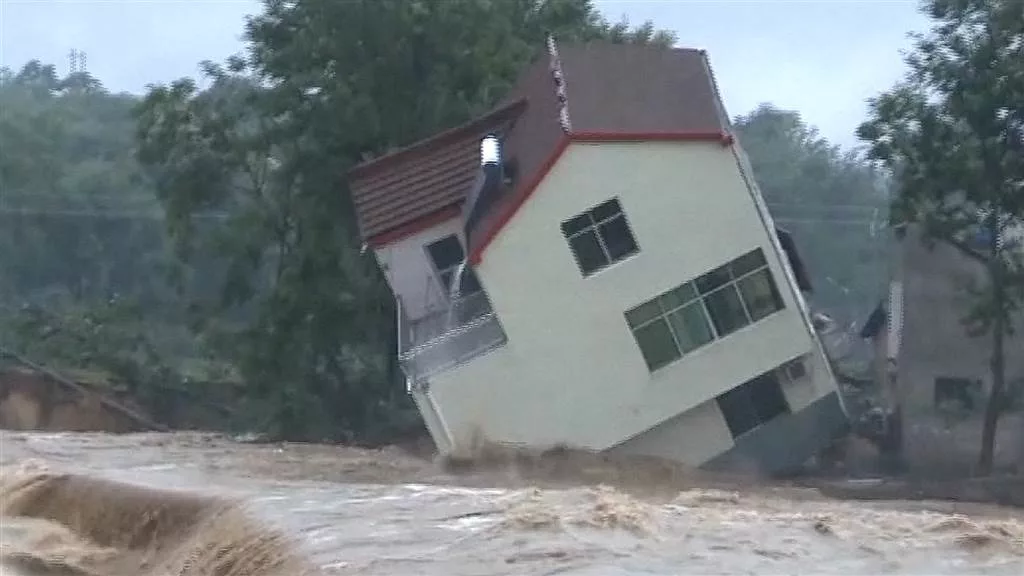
714 305
753 403
956 394
669 326
446 254
794 370
600 237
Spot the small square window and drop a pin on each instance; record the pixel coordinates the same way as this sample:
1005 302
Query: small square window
590 255
795 370
447 255
617 238
600 237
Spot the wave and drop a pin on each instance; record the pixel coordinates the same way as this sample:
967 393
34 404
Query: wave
58 524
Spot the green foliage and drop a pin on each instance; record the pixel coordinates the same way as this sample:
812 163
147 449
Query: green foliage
323 85
81 242
953 133
834 203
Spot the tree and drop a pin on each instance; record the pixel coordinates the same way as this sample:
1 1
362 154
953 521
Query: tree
833 202
325 84
953 134
83 284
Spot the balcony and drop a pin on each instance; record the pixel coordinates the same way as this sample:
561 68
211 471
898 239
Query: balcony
448 337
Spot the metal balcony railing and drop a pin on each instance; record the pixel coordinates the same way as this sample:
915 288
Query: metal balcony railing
448 337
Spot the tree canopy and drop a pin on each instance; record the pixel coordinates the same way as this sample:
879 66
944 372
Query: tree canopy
834 203
953 134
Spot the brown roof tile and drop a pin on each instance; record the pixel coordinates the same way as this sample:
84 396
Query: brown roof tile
613 91
638 89
422 179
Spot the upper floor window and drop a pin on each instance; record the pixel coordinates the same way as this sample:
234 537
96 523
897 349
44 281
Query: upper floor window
714 305
447 255
600 237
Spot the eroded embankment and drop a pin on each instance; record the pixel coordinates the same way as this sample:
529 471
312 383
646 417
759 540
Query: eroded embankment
74 525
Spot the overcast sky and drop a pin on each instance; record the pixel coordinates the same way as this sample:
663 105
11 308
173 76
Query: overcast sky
820 57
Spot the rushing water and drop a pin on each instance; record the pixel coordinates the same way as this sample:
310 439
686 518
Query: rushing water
186 504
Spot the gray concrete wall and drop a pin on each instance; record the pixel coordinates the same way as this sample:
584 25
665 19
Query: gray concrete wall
935 344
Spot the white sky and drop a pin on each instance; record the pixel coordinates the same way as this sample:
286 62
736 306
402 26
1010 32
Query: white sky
820 57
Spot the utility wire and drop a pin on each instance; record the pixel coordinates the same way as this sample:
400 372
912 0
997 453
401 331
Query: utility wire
822 217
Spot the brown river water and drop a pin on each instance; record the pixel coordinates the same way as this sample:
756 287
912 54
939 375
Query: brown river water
202 505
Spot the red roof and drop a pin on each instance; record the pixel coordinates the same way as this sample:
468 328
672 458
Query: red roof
614 92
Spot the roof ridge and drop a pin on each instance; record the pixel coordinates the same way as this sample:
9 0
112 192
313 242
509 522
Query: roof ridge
365 168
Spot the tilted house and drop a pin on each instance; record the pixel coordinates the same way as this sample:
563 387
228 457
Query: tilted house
625 289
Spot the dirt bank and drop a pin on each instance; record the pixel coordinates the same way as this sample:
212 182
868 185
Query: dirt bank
32 401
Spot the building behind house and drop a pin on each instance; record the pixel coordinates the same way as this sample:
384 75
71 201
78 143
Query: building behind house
591 264
934 376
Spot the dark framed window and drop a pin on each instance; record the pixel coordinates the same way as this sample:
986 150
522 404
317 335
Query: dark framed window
447 255
740 293
600 237
957 394
753 403
794 370
670 325
718 303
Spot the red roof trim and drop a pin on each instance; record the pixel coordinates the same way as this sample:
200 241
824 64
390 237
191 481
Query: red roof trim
373 165
510 209
415 226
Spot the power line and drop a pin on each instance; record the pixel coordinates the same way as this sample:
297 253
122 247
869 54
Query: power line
840 221
156 215
104 214
788 206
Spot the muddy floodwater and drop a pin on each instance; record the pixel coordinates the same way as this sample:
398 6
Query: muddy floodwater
190 505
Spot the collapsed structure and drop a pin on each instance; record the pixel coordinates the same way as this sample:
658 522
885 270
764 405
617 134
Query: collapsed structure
591 264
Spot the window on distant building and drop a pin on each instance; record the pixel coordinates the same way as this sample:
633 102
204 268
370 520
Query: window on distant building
600 237
956 394
753 403
446 255
712 306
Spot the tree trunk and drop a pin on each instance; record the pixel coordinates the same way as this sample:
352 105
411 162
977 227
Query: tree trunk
994 407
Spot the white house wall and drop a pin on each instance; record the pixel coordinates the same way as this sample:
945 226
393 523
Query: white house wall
410 273
571 367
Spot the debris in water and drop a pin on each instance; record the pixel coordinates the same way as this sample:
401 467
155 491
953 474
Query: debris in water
822 526
698 497
602 507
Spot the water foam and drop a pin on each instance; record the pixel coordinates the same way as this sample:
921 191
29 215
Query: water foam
77 525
